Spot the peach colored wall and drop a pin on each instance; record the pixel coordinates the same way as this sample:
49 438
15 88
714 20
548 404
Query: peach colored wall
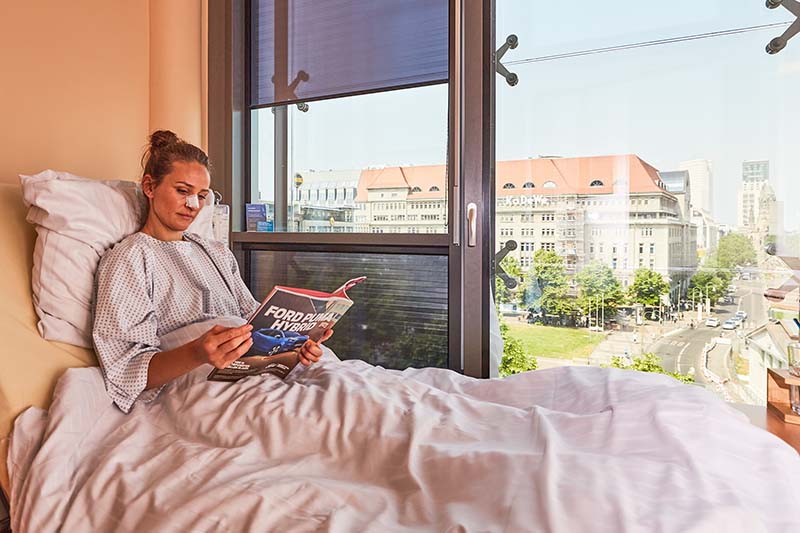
75 82
176 72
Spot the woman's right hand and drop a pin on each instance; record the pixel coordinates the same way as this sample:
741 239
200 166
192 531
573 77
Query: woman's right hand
221 346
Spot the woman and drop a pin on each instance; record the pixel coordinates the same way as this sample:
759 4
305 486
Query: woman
162 278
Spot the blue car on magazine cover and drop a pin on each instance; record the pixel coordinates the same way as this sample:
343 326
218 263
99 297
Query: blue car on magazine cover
268 341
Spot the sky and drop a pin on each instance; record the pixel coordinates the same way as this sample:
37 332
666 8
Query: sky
723 99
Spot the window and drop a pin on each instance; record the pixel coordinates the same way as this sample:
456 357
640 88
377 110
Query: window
350 151
528 185
549 185
509 186
596 183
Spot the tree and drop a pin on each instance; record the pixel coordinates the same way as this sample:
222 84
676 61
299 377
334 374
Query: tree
502 293
649 362
598 284
709 283
647 287
515 360
734 249
546 288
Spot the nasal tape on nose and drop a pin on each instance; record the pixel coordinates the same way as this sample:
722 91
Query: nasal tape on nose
192 201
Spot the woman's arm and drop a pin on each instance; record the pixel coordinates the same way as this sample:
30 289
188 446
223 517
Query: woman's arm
220 346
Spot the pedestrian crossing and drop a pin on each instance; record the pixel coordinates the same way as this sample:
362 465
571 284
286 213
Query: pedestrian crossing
678 344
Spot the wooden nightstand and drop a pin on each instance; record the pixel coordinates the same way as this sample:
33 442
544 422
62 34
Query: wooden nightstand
759 416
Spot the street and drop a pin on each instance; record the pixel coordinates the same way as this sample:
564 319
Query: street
682 350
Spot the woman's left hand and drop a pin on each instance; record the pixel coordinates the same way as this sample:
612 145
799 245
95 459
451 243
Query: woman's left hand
310 352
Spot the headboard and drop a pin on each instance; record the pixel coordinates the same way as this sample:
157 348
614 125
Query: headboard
29 365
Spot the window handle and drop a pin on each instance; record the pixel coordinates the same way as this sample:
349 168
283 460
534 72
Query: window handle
472 224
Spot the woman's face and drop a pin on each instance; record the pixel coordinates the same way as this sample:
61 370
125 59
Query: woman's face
168 202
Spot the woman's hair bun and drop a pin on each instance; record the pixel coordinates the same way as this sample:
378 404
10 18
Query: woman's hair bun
162 138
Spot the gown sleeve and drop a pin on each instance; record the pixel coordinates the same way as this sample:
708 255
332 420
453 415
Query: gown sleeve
125 327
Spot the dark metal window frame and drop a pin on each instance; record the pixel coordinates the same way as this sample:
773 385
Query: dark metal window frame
470 164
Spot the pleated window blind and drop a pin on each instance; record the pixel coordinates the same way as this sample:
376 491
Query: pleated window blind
304 50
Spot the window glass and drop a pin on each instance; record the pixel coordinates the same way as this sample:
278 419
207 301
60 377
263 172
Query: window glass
399 315
663 137
377 147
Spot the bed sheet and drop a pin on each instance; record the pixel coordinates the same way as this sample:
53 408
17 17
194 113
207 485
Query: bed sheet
346 446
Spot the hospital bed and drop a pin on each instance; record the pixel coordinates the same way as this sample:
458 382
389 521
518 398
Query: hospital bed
351 447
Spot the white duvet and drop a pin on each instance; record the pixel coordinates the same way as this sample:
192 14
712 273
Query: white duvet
346 446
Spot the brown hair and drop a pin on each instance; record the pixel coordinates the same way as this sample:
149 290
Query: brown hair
164 149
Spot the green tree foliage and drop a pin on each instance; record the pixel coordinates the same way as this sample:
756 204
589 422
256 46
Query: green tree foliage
649 362
502 293
597 283
713 283
515 360
647 287
546 288
734 250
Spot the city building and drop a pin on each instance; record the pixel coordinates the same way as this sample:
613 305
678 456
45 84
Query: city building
767 347
701 180
692 187
324 201
678 183
612 209
760 214
618 210
755 174
708 232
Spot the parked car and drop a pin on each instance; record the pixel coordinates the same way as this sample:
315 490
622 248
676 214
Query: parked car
730 324
712 322
268 341
726 300
742 314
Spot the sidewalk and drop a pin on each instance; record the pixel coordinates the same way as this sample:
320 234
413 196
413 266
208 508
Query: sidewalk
722 376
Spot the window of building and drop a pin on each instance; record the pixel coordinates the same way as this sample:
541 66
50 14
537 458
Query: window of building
509 186
549 185
596 183
528 185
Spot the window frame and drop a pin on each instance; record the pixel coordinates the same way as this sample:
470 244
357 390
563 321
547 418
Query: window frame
470 163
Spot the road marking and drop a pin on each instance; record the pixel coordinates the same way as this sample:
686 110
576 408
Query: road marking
678 362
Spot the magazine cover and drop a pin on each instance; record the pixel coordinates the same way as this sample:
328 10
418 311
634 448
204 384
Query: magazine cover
284 321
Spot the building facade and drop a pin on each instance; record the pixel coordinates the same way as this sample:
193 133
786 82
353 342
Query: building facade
701 182
613 209
755 175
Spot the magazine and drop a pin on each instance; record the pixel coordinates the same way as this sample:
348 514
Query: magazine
284 321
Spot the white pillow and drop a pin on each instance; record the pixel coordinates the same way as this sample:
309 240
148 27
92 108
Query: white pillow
77 220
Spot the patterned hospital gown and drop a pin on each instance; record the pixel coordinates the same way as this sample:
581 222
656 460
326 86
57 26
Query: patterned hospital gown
146 288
